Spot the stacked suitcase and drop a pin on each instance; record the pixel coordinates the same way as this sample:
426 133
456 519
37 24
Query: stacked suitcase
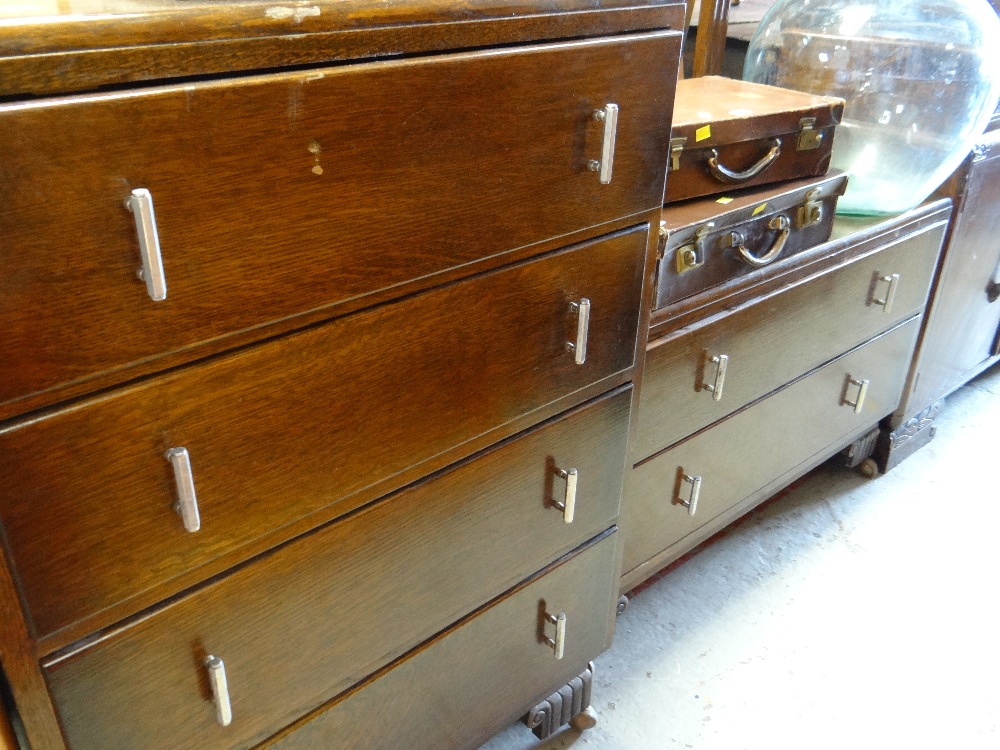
749 182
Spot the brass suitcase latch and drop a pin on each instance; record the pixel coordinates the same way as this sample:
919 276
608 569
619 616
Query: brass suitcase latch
809 137
692 255
676 149
811 212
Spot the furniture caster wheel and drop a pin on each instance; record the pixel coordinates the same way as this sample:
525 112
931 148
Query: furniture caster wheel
622 604
868 468
586 719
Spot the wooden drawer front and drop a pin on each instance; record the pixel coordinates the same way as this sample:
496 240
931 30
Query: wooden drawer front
287 193
299 626
778 338
758 445
463 687
333 416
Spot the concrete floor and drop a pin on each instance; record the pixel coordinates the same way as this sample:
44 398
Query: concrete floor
848 614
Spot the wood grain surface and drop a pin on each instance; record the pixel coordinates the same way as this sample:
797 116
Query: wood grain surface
777 338
285 194
308 621
962 323
488 667
749 449
306 427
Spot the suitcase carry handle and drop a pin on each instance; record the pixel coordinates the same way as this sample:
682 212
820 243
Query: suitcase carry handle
779 223
728 176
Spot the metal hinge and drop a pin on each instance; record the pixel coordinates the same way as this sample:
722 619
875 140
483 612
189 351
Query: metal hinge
809 137
676 149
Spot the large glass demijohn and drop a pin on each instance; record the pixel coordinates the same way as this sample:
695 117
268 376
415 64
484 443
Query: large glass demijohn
921 79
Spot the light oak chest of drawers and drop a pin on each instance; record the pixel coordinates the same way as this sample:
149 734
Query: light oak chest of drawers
323 323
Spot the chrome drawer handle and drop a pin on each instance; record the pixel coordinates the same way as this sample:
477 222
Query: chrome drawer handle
557 644
609 116
721 363
568 504
726 175
859 401
220 690
779 224
886 302
579 347
140 203
692 502
187 501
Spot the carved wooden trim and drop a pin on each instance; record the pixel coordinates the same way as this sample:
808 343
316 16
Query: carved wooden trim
558 709
912 427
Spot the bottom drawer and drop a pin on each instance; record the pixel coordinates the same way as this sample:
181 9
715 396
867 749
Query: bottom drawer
749 450
462 687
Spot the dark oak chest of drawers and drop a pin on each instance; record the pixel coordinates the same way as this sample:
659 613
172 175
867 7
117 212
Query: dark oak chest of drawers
321 323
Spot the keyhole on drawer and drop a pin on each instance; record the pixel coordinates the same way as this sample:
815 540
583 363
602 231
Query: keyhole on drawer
315 149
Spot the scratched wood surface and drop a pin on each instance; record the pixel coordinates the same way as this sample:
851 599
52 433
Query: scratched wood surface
85 45
310 620
310 425
303 192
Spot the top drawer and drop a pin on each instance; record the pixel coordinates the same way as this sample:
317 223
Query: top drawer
694 379
287 193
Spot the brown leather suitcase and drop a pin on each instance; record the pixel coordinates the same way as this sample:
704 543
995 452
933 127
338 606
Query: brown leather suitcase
706 242
729 134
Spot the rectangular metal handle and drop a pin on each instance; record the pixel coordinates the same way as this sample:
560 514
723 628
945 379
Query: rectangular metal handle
579 347
558 644
609 116
692 502
859 402
568 505
187 501
220 690
140 203
886 302
721 363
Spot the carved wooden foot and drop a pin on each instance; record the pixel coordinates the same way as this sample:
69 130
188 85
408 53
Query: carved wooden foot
860 450
892 447
563 706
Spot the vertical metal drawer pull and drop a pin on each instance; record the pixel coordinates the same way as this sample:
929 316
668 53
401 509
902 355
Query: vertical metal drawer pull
859 402
721 363
557 644
692 502
568 504
886 302
187 501
579 347
220 690
140 203
609 116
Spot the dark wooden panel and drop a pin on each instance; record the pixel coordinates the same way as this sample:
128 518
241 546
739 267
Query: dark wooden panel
315 423
280 195
753 447
305 623
962 320
777 338
68 70
20 669
463 687
710 45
